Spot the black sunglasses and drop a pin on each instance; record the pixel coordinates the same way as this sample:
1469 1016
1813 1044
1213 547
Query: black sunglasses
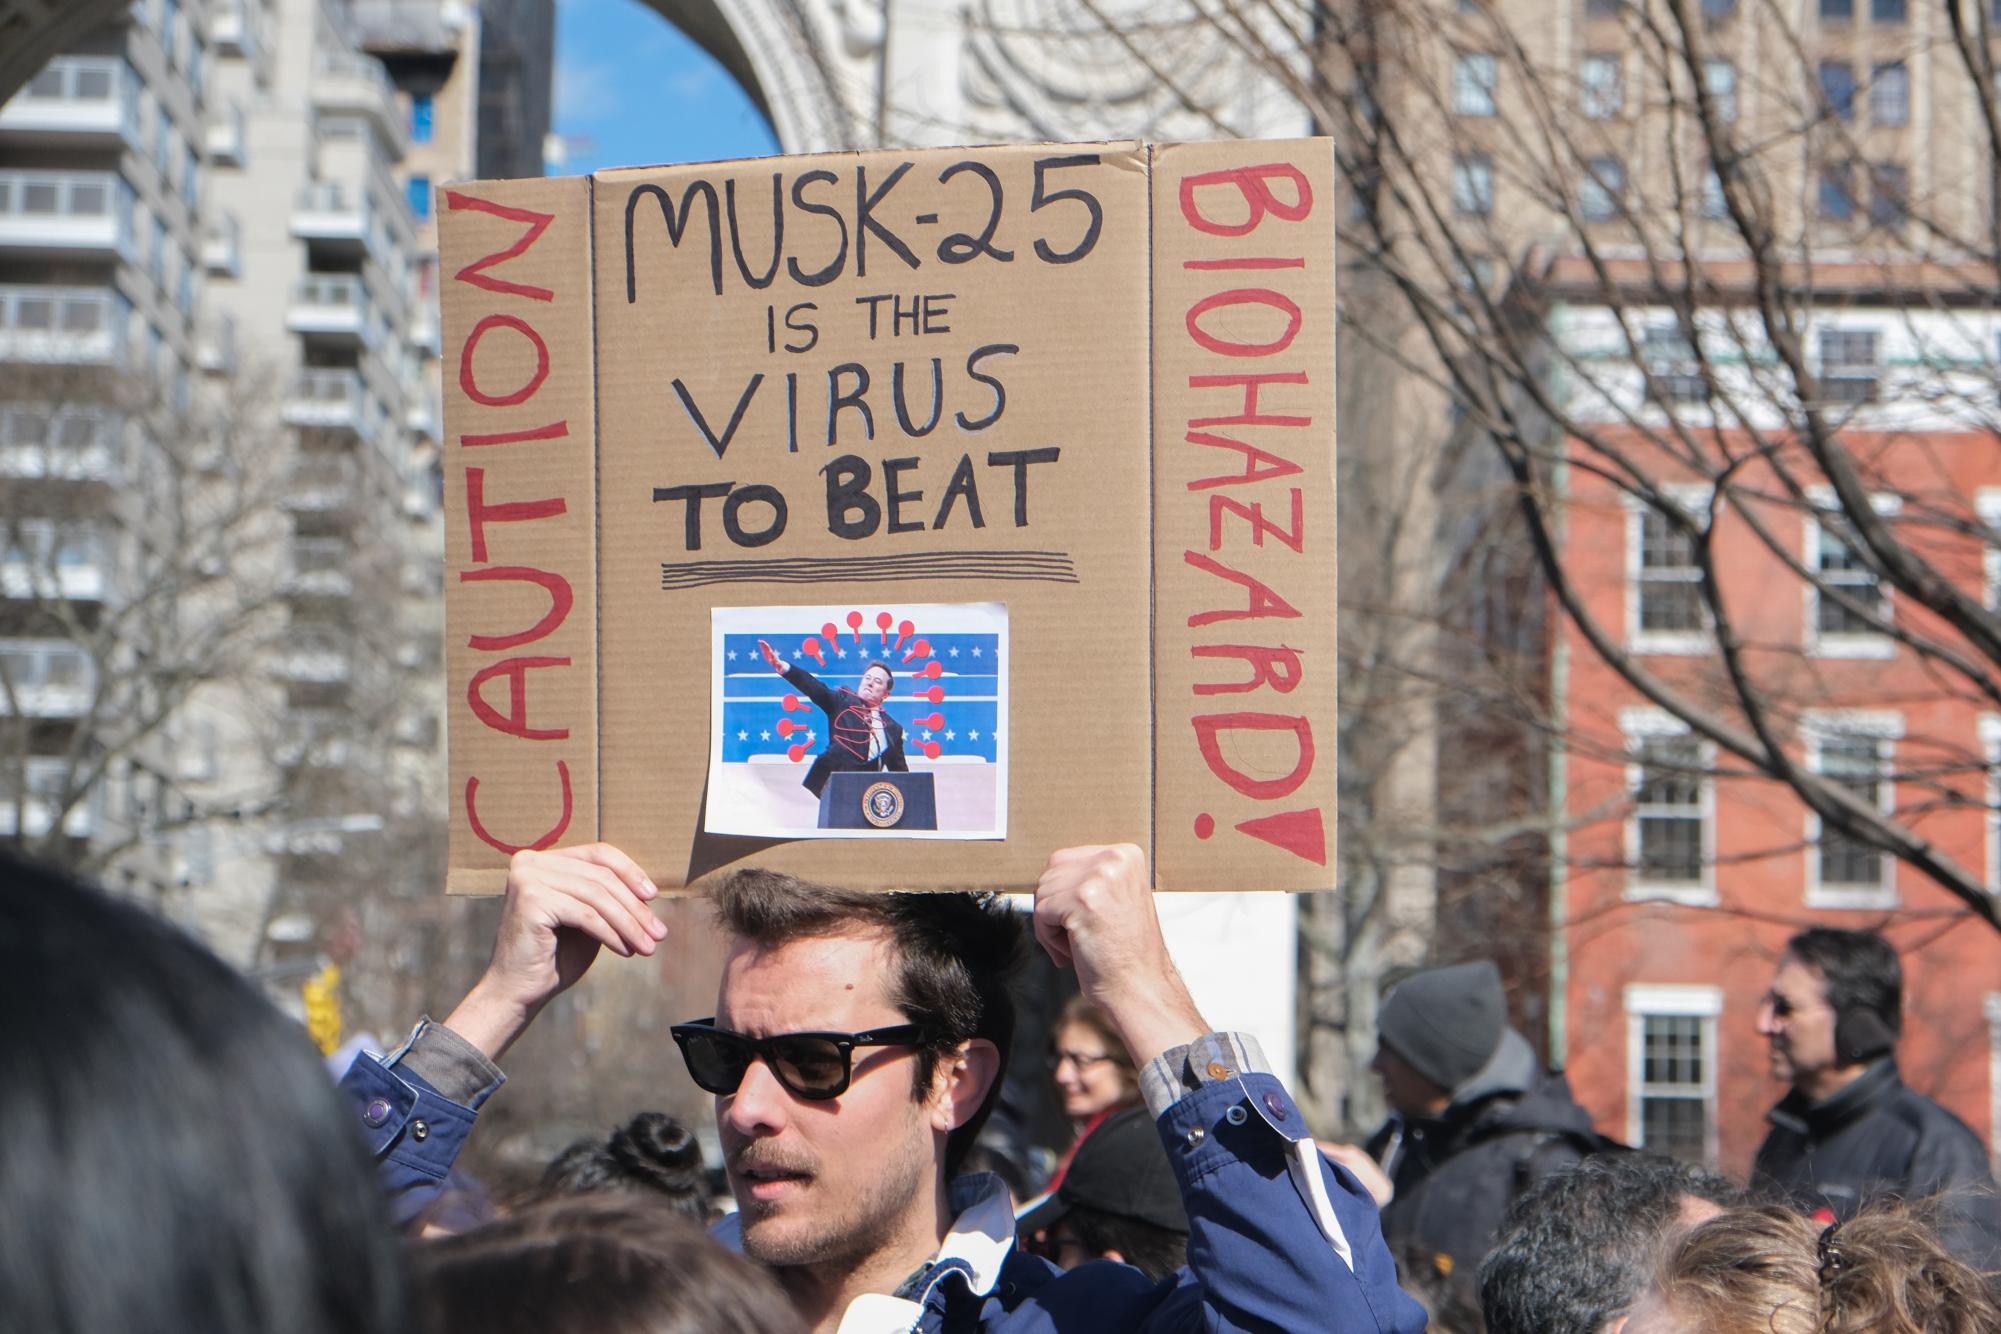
814 1066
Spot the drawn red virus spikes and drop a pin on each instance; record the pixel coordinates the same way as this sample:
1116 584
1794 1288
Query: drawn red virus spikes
797 753
936 694
932 750
791 704
811 648
883 620
934 722
904 630
786 727
855 624
918 649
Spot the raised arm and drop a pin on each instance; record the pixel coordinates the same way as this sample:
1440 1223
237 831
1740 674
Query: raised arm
1278 1237
418 1104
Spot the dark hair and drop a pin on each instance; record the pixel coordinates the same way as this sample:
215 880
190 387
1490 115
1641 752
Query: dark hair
595 1264
954 955
1577 1247
177 1158
1150 1248
652 1152
1861 968
885 671
1771 1268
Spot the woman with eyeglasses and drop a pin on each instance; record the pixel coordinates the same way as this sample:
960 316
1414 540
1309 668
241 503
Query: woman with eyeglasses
1093 1072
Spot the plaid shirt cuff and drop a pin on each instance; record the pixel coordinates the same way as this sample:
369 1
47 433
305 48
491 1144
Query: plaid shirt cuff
1210 1059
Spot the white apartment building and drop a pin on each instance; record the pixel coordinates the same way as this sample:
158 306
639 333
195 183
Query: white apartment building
224 207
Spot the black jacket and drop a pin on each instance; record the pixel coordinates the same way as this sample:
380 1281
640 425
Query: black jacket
1457 1173
1878 1137
847 732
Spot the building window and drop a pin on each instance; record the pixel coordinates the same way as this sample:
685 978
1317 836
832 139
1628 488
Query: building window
1993 1008
1886 11
1889 187
1601 95
1671 1070
1839 11
1852 751
1600 193
423 126
1714 204
1718 9
1890 94
1837 86
1674 375
1665 584
1473 184
1605 9
1987 505
1835 197
1720 78
1473 78
1667 831
1850 365
1848 626
419 188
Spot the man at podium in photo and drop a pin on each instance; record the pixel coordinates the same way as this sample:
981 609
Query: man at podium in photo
860 733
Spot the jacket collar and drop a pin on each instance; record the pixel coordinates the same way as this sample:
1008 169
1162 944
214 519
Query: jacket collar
1863 1095
975 1248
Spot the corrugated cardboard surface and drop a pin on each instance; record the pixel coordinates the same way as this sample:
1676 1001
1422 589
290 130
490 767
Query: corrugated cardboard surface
521 428
1033 269
1244 593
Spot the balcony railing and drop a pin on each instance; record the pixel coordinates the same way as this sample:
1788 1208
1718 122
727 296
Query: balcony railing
335 304
345 82
76 98
323 484
224 136
76 211
330 212
37 442
80 326
320 567
215 349
333 400
48 680
222 246
30 811
236 27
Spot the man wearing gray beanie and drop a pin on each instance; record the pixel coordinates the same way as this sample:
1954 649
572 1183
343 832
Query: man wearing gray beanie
1474 1121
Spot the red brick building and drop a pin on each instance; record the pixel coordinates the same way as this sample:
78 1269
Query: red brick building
1672 875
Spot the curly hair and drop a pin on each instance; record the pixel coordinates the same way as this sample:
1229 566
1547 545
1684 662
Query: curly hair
652 1152
1772 1270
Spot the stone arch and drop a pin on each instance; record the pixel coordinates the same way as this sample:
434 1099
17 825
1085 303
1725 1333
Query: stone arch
777 50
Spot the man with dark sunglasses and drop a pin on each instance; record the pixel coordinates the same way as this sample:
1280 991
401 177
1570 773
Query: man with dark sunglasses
858 1044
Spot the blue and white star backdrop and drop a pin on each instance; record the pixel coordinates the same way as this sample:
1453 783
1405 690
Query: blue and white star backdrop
950 665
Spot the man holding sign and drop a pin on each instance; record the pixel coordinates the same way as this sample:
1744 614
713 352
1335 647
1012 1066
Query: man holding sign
860 733
859 1042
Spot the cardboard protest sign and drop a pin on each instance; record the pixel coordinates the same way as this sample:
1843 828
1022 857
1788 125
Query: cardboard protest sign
1005 474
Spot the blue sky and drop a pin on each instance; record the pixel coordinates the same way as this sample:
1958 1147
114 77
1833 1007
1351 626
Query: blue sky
632 90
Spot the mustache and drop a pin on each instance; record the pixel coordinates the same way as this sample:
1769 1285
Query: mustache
761 1155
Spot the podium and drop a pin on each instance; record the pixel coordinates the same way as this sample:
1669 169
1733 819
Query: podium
878 799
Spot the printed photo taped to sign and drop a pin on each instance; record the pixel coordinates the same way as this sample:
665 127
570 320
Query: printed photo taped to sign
896 379
909 702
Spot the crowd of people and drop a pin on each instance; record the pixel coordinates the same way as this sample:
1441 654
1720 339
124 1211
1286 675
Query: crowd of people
177 1160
